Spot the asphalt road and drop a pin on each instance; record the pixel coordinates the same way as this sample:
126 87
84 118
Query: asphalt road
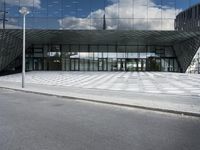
36 122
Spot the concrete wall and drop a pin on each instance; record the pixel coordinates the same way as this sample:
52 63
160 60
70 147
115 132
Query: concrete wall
186 50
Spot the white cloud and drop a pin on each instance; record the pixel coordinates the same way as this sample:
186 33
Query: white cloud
11 24
143 19
75 23
28 3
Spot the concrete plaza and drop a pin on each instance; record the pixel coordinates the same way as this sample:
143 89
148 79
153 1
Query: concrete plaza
169 92
144 82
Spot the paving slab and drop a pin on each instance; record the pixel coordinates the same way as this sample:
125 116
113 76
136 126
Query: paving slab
158 91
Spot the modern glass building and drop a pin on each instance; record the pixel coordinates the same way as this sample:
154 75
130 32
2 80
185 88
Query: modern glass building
189 19
194 67
97 35
81 57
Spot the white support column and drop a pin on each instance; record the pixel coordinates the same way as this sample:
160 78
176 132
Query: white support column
24 49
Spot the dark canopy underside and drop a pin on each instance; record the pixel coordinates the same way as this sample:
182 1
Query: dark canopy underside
104 37
185 43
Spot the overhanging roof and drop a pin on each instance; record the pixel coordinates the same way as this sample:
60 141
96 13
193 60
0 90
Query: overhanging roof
121 37
185 44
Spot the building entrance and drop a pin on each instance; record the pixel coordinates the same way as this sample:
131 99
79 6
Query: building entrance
121 64
135 65
153 64
54 64
102 58
102 64
37 64
74 64
131 64
141 65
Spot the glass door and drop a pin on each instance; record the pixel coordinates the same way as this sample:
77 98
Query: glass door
37 65
131 64
153 64
54 64
74 64
141 64
121 64
102 64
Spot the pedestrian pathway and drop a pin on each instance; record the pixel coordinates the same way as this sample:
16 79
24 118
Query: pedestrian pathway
142 82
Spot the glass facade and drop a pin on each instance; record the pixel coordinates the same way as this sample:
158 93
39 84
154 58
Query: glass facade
89 14
189 20
97 15
101 58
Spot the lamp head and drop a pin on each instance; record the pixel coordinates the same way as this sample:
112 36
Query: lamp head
24 11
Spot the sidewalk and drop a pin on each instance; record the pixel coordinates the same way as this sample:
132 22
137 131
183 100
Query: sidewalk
141 82
180 104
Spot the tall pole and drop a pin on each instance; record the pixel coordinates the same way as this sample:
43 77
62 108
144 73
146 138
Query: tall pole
24 47
24 11
198 64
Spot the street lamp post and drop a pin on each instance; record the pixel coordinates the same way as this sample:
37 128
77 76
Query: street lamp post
198 65
24 11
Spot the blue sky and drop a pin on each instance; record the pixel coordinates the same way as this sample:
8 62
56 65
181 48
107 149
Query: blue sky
75 13
83 7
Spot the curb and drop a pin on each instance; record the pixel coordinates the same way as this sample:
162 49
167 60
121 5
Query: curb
111 103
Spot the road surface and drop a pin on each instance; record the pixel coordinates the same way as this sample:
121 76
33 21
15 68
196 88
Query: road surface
38 122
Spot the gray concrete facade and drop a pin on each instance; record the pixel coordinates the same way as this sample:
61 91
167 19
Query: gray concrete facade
188 20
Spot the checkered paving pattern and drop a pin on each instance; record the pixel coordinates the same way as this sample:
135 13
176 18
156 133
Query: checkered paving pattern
148 82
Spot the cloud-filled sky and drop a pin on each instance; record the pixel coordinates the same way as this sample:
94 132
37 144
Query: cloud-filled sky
28 3
144 18
88 14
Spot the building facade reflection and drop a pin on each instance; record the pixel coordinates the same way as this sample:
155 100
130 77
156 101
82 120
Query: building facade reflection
102 58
